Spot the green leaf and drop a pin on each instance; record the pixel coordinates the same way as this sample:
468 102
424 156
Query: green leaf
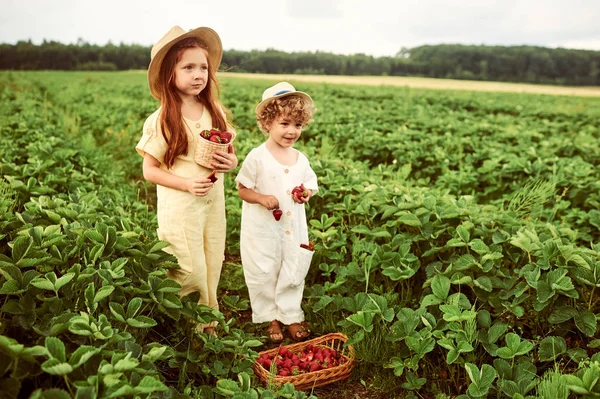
126 364
21 247
169 285
410 220
141 322
440 286
62 281
42 283
362 319
586 322
103 292
155 353
11 287
56 348
95 236
134 305
481 381
56 367
484 282
82 355
479 246
562 314
551 347
463 233
117 310
150 384
158 246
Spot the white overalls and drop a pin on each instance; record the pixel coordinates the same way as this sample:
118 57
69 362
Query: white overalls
274 263
193 226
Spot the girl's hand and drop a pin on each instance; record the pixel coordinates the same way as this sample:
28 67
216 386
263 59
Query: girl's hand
302 200
269 201
199 186
225 161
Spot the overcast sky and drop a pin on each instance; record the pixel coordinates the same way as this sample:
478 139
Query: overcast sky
375 27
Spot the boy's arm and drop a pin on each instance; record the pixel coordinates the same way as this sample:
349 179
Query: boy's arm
252 197
199 186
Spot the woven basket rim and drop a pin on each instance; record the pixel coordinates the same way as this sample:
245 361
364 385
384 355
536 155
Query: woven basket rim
204 149
315 378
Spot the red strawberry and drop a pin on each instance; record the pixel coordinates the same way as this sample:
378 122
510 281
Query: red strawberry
205 134
225 137
283 350
214 130
215 138
277 214
212 177
314 366
300 191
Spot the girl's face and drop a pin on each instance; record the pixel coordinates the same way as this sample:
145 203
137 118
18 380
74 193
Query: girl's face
284 132
191 72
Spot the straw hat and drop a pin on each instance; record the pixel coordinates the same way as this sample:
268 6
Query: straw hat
174 35
281 89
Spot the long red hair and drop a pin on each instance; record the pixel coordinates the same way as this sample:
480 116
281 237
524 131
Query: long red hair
171 120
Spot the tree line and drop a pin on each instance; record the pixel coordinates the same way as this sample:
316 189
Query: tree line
528 64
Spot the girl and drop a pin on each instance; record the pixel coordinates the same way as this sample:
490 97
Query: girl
191 208
273 220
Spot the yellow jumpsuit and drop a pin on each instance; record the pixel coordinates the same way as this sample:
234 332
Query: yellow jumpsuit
193 226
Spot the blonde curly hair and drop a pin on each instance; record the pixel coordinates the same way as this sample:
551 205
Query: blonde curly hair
293 107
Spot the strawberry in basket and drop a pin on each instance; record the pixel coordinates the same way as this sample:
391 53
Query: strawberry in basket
216 136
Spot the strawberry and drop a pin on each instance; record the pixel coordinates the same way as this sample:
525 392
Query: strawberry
214 131
300 192
212 177
314 367
215 138
225 137
277 213
309 247
205 134
283 350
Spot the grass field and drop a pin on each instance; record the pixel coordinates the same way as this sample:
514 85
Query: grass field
427 83
456 243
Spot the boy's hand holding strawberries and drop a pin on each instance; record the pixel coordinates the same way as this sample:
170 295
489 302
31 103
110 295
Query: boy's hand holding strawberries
300 194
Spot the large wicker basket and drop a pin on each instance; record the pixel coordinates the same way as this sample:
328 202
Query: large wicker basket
307 381
205 149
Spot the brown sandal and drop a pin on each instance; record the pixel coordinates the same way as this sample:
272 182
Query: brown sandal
274 331
299 331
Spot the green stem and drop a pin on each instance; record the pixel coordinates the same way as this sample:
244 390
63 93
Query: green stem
591 297
68 386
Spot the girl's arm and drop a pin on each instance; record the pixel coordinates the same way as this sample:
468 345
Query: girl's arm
199 186
252 197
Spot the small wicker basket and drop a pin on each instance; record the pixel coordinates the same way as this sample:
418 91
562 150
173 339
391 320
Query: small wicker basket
307 381
205 149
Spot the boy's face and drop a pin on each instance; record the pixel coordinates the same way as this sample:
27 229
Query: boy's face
284 131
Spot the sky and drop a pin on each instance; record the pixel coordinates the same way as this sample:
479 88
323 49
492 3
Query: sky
372 27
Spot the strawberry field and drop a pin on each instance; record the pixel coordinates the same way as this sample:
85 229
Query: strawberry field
457 245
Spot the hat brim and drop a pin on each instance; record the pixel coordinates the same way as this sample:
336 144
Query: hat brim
207 35
261 105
